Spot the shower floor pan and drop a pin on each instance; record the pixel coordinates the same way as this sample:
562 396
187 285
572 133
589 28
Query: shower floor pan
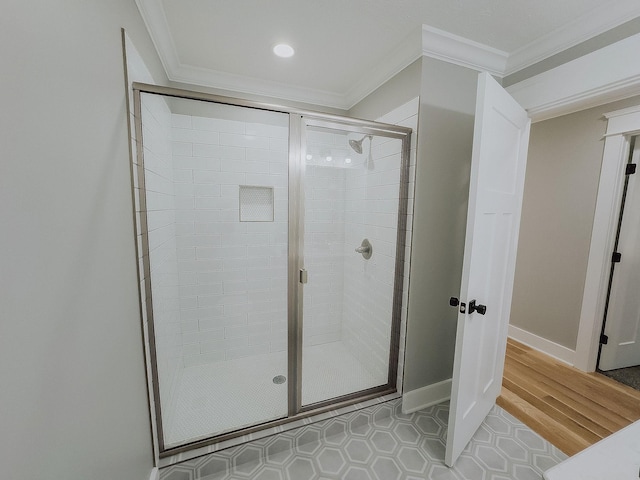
213 399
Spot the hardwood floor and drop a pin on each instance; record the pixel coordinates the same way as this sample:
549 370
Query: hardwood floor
569 408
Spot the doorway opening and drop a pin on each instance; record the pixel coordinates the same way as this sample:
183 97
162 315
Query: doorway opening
619 349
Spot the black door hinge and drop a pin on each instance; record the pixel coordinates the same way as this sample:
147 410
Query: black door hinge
631 169
604 339
616 257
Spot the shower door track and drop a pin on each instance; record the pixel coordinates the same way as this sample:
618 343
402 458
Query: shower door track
297 118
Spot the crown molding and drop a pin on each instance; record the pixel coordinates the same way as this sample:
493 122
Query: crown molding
425 41
393 63
156 22
253 86
577 85
462 51
600 20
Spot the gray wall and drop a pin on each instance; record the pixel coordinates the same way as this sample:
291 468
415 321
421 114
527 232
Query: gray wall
401 88
72 380
447 107
563 171
445 134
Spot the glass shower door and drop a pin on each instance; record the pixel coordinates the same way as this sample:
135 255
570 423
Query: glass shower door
351 197
214 186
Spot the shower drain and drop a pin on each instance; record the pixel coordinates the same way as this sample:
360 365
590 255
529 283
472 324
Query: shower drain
278 379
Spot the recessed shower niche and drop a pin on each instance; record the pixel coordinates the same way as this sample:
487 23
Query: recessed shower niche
259 309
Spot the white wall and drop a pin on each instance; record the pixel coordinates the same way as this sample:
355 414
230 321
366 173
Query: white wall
73 395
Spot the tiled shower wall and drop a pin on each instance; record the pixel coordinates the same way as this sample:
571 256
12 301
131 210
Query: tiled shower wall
324 231
232 295
372 205
351 300
160 207
233 274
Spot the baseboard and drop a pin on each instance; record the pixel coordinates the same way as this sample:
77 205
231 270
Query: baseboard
426 396
155 474
543 345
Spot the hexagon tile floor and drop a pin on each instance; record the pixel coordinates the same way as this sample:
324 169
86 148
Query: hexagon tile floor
380 443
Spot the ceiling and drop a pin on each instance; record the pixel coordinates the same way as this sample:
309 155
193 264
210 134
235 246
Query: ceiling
347 48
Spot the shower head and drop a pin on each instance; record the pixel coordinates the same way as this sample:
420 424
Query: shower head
357 144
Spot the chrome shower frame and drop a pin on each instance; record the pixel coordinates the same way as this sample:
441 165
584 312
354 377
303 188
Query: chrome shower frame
298 120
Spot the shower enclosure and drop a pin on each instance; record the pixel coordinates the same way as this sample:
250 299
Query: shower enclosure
272 247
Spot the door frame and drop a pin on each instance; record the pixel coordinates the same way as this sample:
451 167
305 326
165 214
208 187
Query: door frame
621 125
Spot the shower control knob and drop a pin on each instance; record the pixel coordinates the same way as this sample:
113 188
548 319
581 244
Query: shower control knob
365 249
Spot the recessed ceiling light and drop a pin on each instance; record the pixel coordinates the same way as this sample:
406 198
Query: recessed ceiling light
283 50
329 158
347 160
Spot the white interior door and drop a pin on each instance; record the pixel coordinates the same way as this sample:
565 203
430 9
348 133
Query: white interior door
501 137
623 315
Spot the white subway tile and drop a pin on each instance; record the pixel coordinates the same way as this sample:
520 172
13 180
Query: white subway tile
262 317
195 136
235 286
279 145
246 330
180 121
205 150
248 351
221 227
221 322
278 168
267 130
263 155
197 290
244 166
182 148
185 228
221 252
223 345
245 239
217 300
228 152
183 202
182 176
188 302
188 253
198 241
243 263
188 326
219 277
266 180
196 163
206 190
221 178
193 360
250 141
209 265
